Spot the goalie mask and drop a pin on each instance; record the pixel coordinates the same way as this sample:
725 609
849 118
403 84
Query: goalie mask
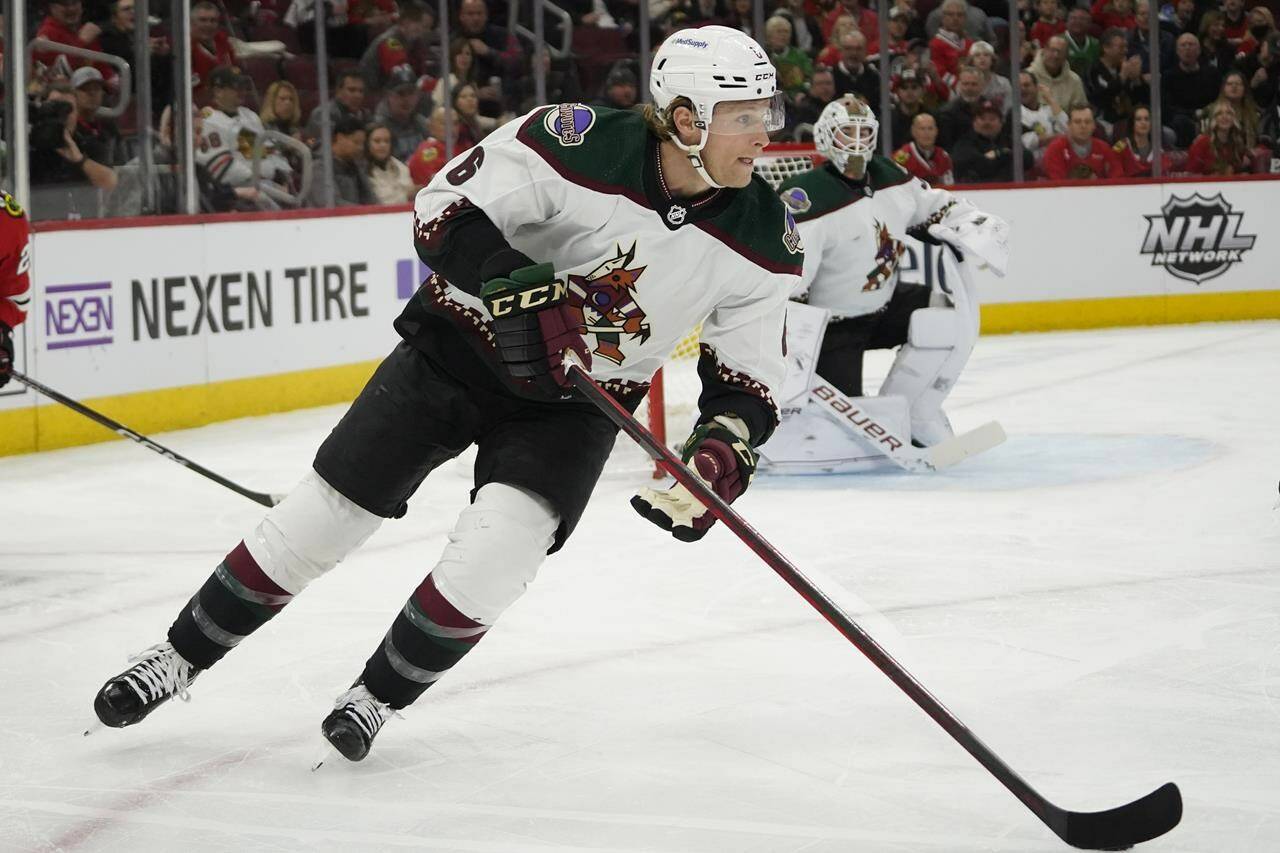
846 129
716 68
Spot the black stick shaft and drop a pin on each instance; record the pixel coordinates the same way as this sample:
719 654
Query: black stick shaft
816 598
121 429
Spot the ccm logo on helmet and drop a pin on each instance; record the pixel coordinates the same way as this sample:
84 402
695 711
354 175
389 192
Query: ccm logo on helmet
530 300
764 76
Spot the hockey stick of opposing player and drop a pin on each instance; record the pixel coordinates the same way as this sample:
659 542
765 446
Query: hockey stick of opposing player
121 429
1116 829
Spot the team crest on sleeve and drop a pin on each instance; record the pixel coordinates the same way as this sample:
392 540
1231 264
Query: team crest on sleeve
570 122
796 200
791 236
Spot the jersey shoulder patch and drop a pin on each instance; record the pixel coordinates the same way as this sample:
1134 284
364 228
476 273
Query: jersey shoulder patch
761 228
597 147
814 193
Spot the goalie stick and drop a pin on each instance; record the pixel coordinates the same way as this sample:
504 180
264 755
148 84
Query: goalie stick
1114 829
898 449
121 429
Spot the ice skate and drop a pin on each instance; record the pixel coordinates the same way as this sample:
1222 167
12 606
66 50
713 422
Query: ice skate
354 722
157 675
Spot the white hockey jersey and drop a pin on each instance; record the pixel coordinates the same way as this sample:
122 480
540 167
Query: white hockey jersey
853 232
581 187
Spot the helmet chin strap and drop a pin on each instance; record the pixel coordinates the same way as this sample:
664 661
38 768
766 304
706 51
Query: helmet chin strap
694 153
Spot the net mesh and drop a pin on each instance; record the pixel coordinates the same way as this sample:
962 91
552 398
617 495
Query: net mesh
672 406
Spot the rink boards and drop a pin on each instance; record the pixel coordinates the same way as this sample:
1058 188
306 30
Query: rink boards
166 324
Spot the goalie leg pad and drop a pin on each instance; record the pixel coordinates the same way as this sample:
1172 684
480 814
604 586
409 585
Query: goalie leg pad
926 368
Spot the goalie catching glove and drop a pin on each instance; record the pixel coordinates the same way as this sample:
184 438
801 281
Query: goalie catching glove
534 325
719 453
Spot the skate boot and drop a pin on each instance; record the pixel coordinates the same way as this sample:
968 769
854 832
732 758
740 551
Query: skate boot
157 675
354 722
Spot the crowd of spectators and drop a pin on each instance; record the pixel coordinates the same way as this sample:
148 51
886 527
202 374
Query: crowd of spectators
1078 93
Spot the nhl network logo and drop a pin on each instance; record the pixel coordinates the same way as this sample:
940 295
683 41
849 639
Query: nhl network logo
1196 238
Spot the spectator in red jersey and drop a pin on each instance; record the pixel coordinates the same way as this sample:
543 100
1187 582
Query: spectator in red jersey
210 45
950 43
1050 22
1114 13
1235 22
65 25
1135 151
922 157
15 277
407 44
868 21
1221 151
1078 154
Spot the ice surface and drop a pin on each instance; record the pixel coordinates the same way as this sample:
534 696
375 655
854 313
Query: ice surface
1099 599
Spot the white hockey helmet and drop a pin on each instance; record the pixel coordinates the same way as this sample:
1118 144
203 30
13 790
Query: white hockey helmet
710 66
847 128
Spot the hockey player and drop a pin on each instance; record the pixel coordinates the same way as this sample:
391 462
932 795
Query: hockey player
852 213
608 233
15 277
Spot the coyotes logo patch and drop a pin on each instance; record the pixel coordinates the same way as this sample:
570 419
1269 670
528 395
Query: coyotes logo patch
606 307
888 251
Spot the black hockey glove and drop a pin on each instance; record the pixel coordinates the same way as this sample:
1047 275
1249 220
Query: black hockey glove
534 325
722 458
6 354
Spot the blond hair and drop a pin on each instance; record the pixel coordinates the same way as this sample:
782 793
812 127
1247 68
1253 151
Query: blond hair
268 112
659 121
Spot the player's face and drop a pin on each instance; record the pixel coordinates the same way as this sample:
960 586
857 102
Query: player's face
739 131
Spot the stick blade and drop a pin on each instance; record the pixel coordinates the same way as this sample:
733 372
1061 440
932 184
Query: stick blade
1121 828
961 447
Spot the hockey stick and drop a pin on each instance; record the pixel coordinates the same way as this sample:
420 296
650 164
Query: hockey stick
898 449
1116 829
121 429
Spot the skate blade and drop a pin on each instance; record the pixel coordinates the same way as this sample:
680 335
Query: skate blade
324 755
94 728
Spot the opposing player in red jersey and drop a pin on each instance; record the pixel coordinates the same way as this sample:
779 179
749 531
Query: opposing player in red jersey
15 280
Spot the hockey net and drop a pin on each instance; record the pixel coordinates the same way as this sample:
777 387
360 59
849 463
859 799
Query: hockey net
671 407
